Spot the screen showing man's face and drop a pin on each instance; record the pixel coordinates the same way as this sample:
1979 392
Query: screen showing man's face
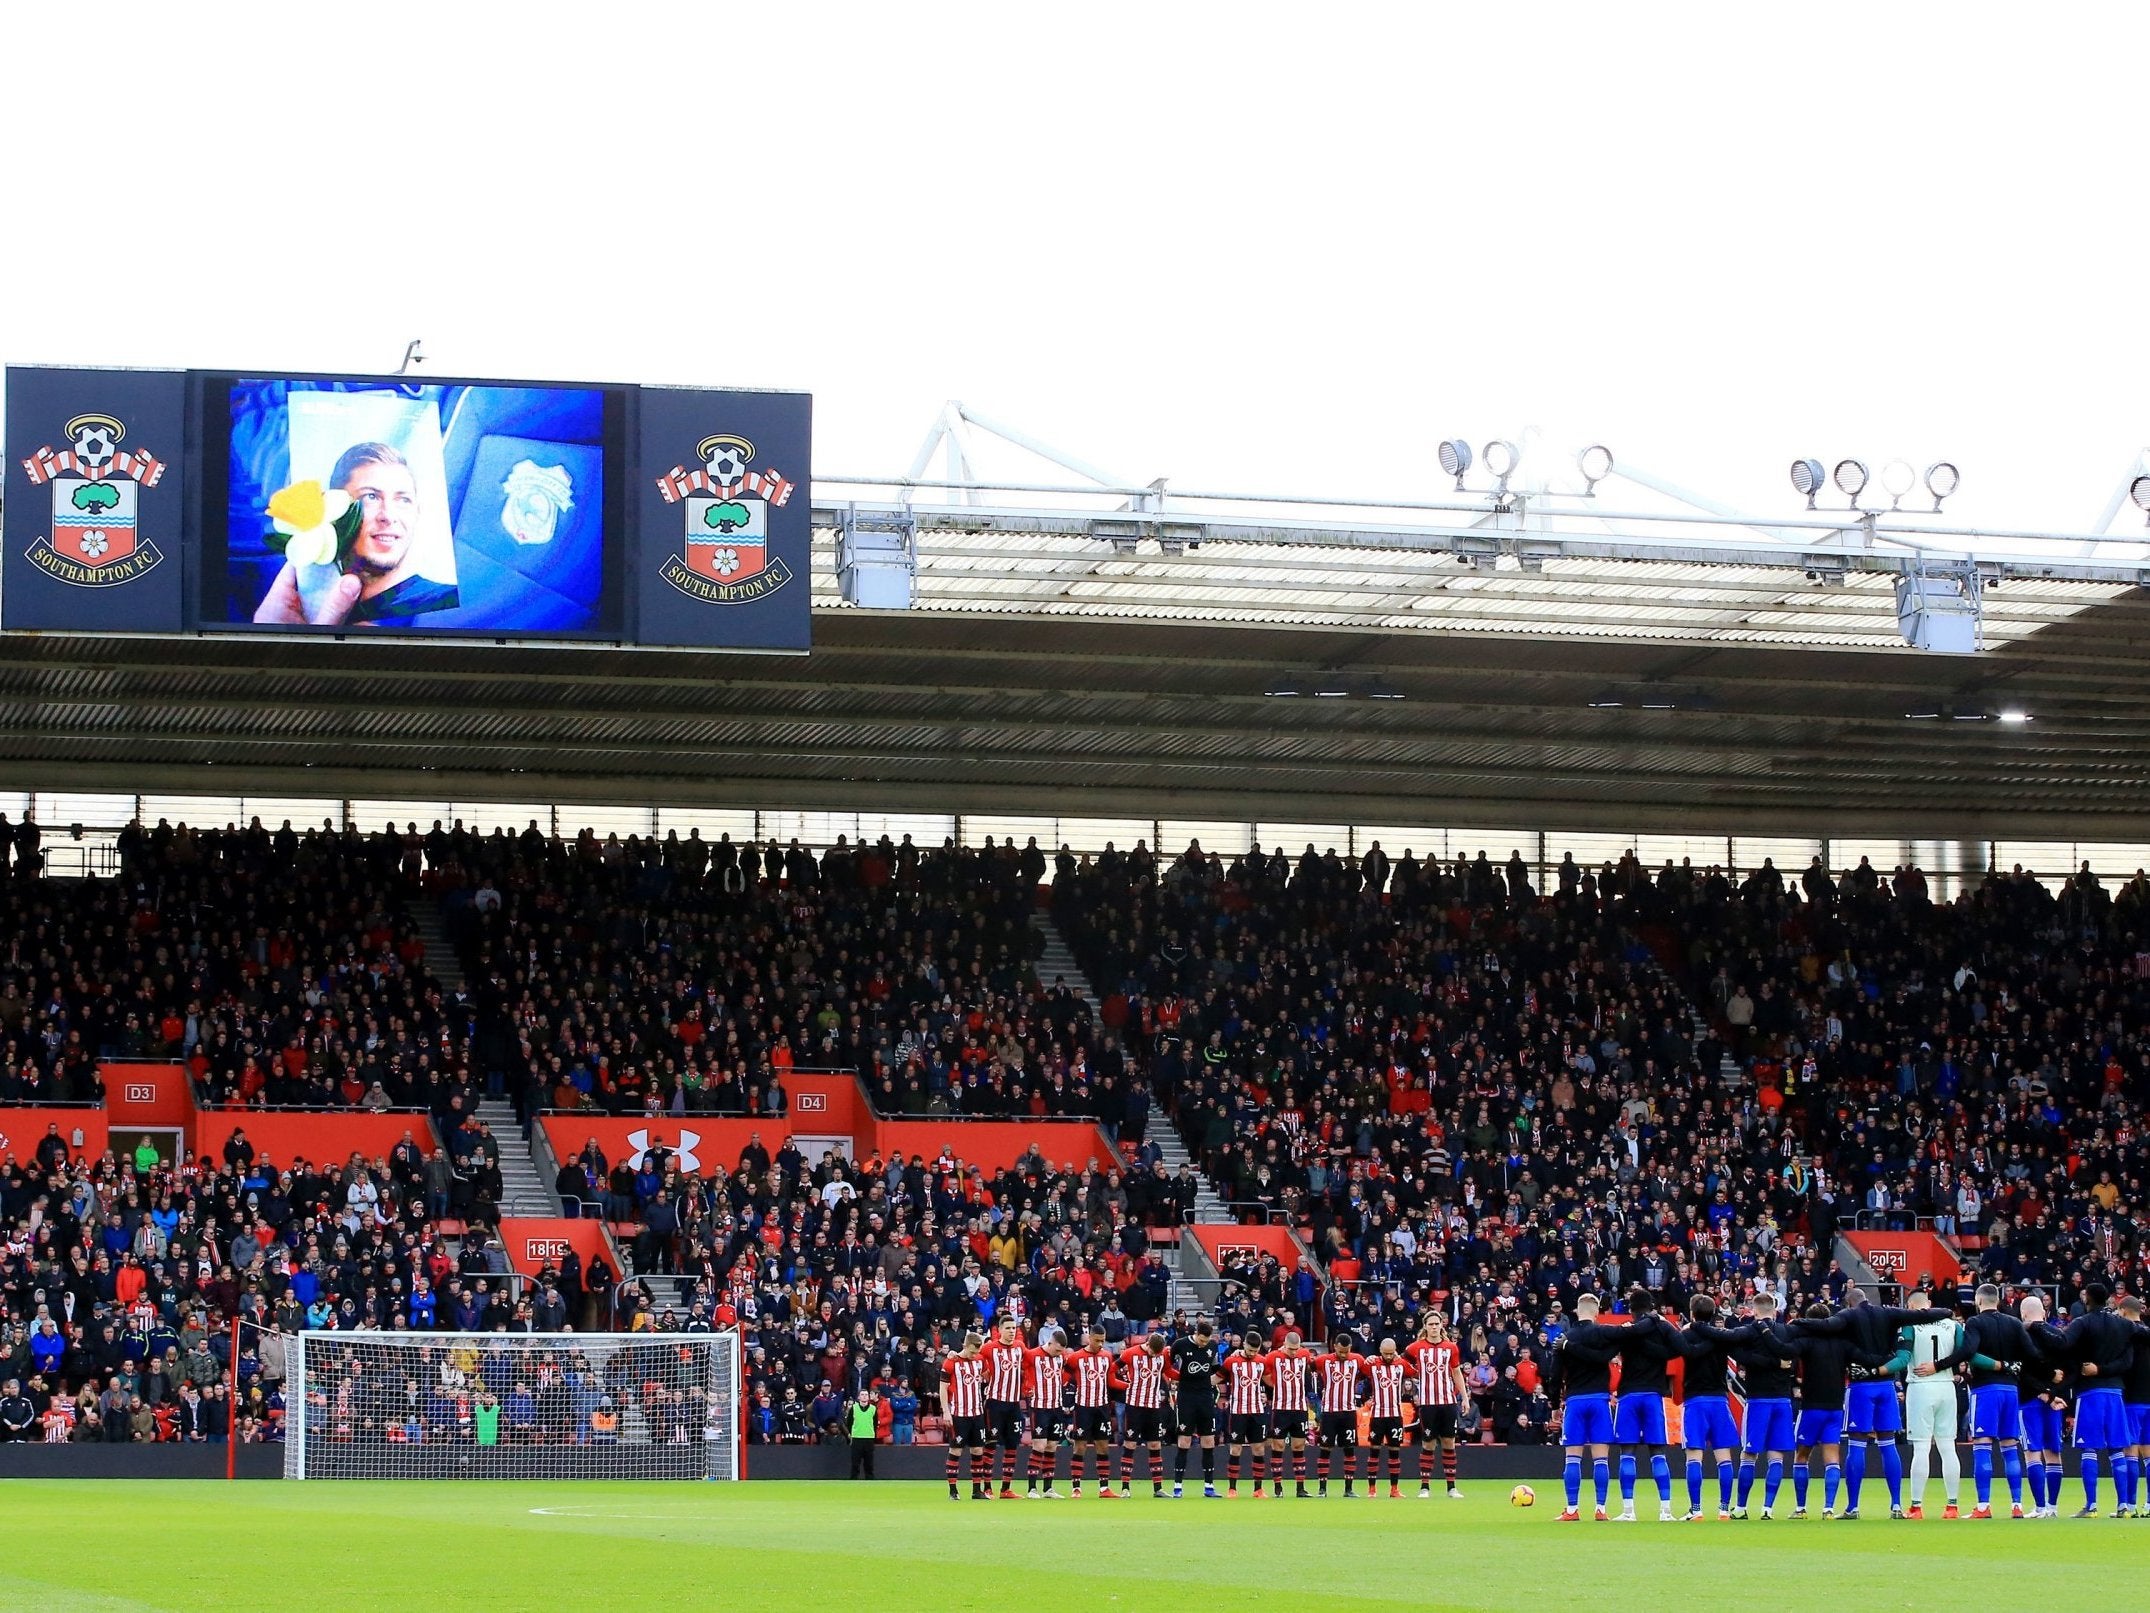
387 500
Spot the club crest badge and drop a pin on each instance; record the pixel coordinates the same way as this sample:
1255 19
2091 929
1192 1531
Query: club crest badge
95 539
724 556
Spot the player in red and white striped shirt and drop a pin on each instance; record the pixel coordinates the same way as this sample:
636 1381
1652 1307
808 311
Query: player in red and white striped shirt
1246 1411
1045 1382
1141 1374
1388 1377
1288 1367
1339 1377
1004 1400
963 1401
1438 1389
1090 1370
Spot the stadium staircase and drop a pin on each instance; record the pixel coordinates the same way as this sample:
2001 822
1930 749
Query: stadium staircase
1863 1275
524 1189
441 959
1056 961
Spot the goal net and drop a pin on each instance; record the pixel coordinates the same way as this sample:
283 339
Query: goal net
364 1405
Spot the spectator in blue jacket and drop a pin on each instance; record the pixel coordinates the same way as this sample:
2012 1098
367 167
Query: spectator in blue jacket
423 1308
46 1347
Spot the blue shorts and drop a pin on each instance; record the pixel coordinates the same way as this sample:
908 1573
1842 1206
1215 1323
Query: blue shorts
2041 1425
1707 1423
1769 1426
2139 1425
2101 1420
1640 1419
1588 1421
1820 1427
1872 1408
1996 1412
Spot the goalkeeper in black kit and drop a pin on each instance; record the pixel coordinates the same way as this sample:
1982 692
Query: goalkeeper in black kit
1194 1368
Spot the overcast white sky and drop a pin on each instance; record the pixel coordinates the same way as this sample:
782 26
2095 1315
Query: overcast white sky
1278 249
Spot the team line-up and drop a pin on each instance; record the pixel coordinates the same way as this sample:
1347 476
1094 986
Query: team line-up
1825 1388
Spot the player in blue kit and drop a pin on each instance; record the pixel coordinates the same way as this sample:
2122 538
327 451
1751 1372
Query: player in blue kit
2135 1396
1706 1411
2044 1404
1998 1391
1582 1378
1766 1361
1827 1365
1646 1345
2100 1344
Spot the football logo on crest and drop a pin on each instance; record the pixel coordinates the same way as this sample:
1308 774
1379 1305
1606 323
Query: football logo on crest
724 557
94 541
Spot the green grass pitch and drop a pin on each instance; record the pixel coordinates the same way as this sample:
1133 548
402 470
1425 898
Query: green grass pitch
92 1547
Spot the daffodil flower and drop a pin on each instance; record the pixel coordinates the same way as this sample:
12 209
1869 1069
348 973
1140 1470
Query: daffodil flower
306 515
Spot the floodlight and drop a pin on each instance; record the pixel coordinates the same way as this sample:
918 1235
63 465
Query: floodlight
1284 688
1455 459
1897 479
1501 458
1942 479
1850 478
2139 491
1596 463
1808 478
1378 690
2015 717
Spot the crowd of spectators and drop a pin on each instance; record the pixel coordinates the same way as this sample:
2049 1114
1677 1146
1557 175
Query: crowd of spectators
678 976
1475 1094
122 1279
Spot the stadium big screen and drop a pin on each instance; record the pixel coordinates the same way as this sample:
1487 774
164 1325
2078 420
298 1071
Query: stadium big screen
254 503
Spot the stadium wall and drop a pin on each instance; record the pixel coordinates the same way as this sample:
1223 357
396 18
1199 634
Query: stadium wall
322 1138
86 1129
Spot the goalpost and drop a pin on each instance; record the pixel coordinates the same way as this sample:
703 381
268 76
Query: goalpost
374 1405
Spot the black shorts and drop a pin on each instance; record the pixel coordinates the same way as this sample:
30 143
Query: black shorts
1248 1428
1093 1423
1340 1428
1436 1422
1287 1425
969 1431
1003 1424
1384 1431
1197 1417
1046 1424
1148 1425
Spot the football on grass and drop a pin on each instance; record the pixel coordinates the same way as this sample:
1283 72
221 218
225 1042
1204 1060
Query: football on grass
1522 1496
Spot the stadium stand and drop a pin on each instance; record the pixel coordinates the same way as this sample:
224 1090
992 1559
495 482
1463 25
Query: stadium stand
1461 1091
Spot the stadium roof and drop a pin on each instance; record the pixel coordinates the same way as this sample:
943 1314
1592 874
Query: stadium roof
966 711
1526 656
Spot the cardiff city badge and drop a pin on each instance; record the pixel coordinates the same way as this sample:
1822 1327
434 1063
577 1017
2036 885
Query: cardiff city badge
725 558
94 541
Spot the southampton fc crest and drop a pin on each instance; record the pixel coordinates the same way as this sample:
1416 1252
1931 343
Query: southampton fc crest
94 540
724 556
